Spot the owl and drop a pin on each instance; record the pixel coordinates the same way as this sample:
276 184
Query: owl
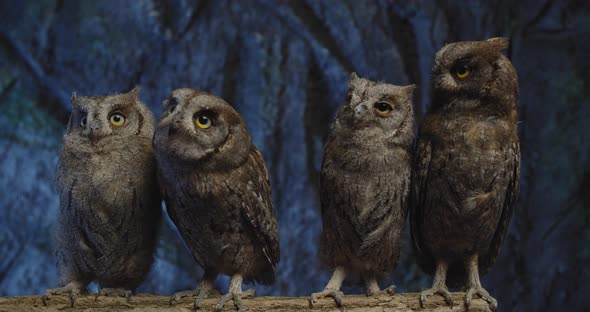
467 165
217 192
364 184
110 202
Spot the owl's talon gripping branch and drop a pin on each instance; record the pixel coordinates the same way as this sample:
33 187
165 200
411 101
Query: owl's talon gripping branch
483 294
114 292
334 293
202 292
73 289
236 294
441 290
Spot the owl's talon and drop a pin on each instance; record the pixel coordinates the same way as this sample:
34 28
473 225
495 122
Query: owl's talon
483 294
70 289
237 298
387 291
202 294
443 291
117 292
182 294
334 293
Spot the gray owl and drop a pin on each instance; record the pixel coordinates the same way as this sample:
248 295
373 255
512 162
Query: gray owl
467 161
217 192
364 184
110 202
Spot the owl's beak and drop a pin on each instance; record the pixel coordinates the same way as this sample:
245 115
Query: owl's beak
94 131
93 134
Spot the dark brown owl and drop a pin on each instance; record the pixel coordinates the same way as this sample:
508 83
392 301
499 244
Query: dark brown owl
364 184
217 192
466 176
110 204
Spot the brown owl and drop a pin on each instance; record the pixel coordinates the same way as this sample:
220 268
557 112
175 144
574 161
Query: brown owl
364 184
467 160
110 201
217 192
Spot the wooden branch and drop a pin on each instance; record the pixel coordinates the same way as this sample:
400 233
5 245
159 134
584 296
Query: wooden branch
153 303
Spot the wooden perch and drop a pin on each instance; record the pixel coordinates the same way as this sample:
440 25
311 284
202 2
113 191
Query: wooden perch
153 303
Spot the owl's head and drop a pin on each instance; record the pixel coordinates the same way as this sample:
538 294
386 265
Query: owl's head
473 70
197 126
375 110
102 120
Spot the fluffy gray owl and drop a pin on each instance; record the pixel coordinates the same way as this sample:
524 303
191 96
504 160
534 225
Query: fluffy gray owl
217 192
110 202
466 174
364 184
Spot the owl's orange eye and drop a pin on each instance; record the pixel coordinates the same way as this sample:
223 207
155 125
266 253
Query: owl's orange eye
382 109
462 71
117 119
203 120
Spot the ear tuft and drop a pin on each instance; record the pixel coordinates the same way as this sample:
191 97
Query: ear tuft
409 89
135 91
499 43
353 76
74 98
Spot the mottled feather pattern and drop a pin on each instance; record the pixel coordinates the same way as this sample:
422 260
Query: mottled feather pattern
365 178
467 160
110 205
217 188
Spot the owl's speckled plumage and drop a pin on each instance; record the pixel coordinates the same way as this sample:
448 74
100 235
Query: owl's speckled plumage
110 202
466 175
217 191
364 183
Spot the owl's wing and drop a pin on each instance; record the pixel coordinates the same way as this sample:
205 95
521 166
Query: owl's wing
418 194
512 173
257 206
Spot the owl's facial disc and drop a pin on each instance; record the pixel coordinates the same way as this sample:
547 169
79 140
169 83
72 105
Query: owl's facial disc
96 123
191 129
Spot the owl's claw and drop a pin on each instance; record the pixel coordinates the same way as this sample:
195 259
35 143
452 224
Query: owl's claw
200 294
443 291
182 294
237 298
389 291
117 292
72 290
483 294
334 293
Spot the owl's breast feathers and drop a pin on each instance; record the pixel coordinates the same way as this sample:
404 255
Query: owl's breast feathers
466 176
231 204
363 211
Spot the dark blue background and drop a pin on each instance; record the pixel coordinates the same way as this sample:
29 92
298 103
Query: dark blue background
284 65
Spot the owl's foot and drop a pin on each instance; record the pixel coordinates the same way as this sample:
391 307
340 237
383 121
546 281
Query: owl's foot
387 291
73 289
114 292
483 294
441 290
334 293
200 294
203 291
183 294
236 296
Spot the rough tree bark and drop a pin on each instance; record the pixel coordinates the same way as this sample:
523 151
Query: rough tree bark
152 303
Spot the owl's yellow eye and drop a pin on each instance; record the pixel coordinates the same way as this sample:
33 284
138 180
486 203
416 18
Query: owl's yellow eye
382 109
462 71
117 119
203 120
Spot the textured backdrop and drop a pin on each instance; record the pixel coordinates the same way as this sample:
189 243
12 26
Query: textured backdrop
284 65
